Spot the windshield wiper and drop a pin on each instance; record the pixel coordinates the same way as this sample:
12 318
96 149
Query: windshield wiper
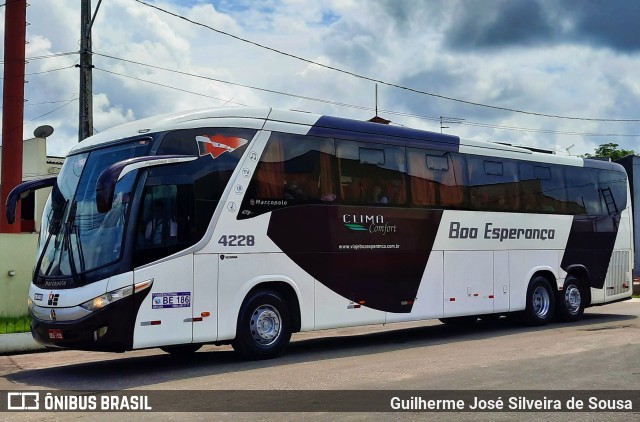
57 211
72 228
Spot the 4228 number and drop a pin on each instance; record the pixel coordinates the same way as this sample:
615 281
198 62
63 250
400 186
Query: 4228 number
237 240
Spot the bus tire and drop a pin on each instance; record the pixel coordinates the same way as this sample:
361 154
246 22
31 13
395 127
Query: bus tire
460 321
571 300
181 349
264 326
540 302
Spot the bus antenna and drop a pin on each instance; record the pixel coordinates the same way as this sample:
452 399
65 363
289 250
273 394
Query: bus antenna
376 118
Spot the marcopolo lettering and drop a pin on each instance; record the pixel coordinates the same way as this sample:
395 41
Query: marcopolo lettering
457 231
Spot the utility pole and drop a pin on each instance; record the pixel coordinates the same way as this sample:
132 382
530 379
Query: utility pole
15 33
85 123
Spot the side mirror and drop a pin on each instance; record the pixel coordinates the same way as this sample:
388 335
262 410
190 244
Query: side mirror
22 191
106 184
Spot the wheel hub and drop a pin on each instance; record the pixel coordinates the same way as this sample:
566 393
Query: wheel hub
572 299
266 325
541 302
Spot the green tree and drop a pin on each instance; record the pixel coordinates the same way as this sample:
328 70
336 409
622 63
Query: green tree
610 150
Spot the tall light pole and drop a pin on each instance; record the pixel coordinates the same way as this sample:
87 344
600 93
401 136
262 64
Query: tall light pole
85 123
15 32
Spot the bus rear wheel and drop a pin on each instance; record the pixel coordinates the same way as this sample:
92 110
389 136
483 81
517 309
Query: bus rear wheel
540 302
264 326
570 305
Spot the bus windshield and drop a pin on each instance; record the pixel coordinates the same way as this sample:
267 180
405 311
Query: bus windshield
77 238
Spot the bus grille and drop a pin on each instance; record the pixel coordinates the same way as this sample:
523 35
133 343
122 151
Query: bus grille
616 281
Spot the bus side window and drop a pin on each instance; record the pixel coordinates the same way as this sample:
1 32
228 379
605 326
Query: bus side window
371 173
296 168
582 191
164 226
612 187
269 176
493 184
542 188
436 179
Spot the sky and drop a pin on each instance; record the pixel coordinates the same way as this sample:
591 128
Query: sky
546 73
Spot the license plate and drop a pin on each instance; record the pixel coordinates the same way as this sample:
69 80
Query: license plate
55 334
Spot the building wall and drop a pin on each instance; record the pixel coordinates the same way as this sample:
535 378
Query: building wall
17 254
18 251
36 165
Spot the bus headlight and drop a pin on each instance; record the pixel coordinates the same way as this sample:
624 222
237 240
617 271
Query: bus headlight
107 298
114 296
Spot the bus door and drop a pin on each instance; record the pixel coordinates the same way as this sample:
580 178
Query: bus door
164 228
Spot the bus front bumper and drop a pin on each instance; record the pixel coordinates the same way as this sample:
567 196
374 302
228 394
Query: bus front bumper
108 329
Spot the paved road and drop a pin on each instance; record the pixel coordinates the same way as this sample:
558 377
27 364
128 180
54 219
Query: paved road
601 352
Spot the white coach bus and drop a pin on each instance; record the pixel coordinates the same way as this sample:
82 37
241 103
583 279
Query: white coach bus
246 225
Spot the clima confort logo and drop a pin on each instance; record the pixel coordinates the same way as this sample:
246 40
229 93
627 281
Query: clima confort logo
369 223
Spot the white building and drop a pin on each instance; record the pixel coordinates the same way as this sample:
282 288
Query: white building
18 250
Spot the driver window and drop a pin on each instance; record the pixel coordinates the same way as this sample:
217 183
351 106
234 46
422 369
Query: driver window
164 223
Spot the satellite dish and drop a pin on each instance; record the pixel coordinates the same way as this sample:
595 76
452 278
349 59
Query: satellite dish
43 131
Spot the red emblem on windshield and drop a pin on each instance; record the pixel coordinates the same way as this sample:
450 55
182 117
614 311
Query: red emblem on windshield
218 144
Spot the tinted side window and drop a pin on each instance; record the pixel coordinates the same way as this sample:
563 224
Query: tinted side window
613 191
435 179
178 142
582 191
295 168
216 141
164 223
493 184
542 188
371 173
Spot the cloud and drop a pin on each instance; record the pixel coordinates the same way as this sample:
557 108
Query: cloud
500 23
604 23
524 23
537 55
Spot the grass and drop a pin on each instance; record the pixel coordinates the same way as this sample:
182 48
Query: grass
10 325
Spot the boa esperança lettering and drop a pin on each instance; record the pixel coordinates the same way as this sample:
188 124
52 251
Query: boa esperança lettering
491 232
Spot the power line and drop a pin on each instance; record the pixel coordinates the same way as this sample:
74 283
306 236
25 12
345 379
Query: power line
330 102
465 122
50 70
272 91
168 86
371 79
47 71
48 102
49 112
547 131
48 56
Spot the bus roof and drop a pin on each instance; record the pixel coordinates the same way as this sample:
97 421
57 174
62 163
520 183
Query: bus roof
328 126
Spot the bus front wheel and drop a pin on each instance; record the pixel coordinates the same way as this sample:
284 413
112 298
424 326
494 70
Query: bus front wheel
264 326
571 300
540 302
